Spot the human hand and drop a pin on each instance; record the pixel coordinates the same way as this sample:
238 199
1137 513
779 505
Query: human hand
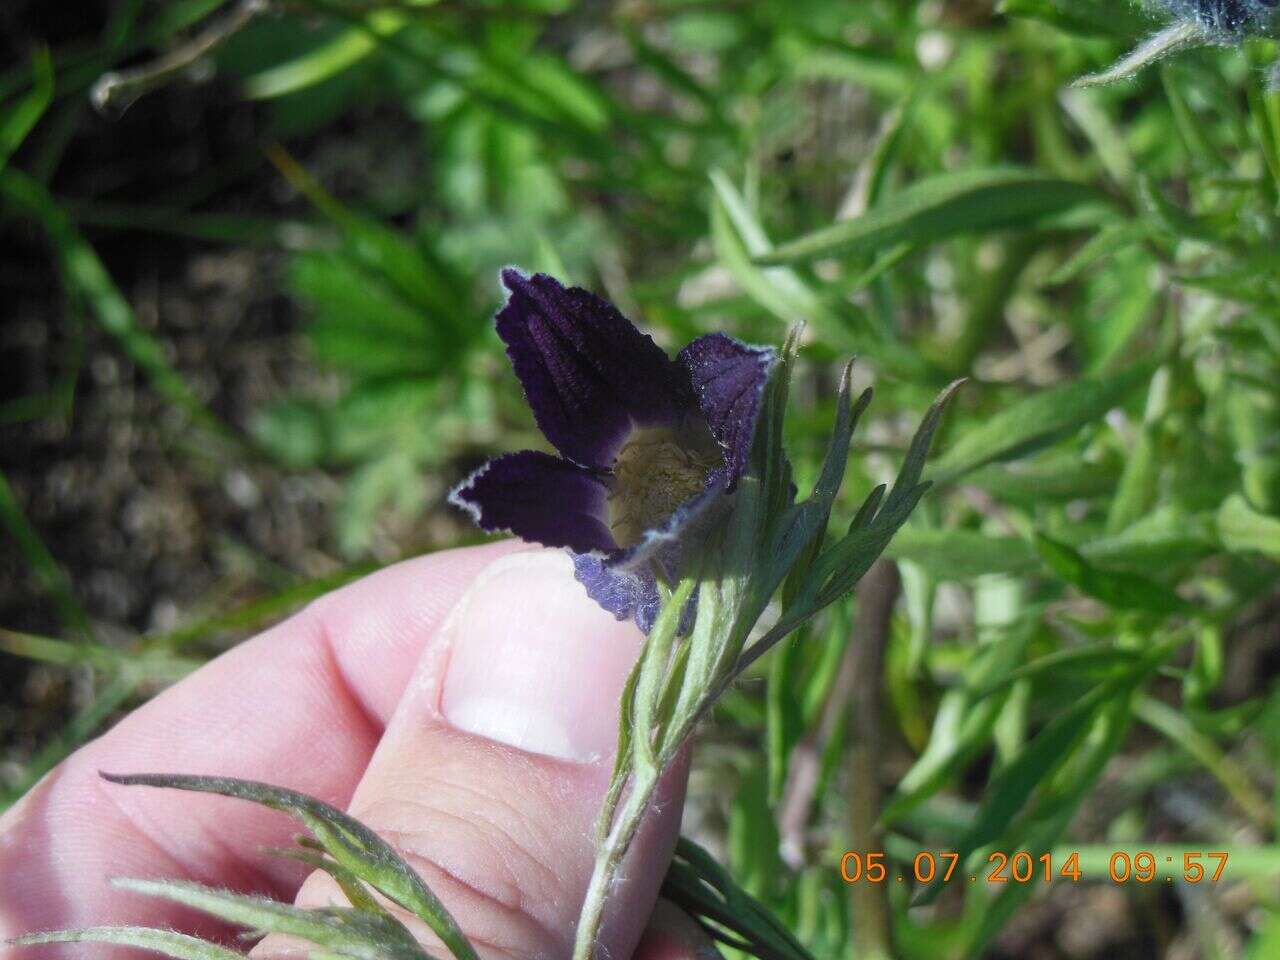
463 705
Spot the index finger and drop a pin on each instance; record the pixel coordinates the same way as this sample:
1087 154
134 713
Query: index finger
302 706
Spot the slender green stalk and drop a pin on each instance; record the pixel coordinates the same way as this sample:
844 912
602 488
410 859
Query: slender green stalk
608 859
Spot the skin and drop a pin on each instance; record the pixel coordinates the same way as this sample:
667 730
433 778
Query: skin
359 700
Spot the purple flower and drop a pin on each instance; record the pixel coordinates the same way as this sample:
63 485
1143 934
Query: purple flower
649 446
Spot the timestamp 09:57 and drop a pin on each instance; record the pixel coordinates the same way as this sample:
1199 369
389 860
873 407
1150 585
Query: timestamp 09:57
1025 867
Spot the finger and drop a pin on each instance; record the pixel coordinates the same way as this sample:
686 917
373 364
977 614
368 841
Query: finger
302 705
490 776
674 935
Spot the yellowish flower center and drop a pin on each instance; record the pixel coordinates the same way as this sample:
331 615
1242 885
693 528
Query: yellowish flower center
659 469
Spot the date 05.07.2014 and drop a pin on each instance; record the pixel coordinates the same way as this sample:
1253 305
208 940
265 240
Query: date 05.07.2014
1024 867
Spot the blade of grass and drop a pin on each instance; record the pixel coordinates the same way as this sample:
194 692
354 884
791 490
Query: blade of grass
1180 730
82 269
947 205
24 115
83 726
141 665
1013 786
42 563
1037 421
330 58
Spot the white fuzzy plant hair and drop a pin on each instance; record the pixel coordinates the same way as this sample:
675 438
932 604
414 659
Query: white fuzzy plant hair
1231 19
1195 23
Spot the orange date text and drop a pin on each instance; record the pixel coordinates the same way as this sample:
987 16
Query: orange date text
1023 866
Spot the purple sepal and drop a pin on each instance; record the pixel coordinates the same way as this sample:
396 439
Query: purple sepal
540 498
588 373
627 594
729 377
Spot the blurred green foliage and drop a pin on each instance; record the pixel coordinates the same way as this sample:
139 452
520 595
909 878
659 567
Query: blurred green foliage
916 182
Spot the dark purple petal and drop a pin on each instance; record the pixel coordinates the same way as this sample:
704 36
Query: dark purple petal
588 373
540 498
627 594
729 379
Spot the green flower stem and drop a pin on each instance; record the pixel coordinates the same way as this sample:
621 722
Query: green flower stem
608 858
116 91
641 758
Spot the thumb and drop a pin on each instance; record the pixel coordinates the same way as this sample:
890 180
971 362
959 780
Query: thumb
490 775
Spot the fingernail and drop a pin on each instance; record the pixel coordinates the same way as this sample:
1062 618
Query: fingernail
534 663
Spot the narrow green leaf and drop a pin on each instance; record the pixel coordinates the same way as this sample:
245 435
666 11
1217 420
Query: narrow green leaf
164 942
1118 589
1097 249
1191 128
348 932
26 113
1180 730
1096 661
84 272
348 841
868 67
706 890
622 761
1056 476
1037 421
783 719
87 721
1068 788
1176 220
1264 105
326 60
947 205
42 563
913 463
779 291
138 663
1165 539
843 565
1012 787
1092 113
311 852
962 726
739 237
961 554
1136 492
410 270
666 67
848 414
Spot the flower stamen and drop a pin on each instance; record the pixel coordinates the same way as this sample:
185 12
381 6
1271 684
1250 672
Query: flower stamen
658 470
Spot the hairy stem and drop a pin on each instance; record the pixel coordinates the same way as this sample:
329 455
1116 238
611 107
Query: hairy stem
1184 33
116 91
608 858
